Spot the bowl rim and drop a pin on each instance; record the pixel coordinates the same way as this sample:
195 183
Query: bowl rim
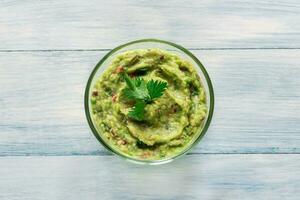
139 161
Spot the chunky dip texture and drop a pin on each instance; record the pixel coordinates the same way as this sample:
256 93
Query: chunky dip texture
170 123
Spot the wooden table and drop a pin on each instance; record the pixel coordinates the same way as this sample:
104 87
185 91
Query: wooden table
251 50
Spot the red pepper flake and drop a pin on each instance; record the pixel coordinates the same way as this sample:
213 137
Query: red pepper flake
114 98
132 75
119 69
95 93
121 142
174 108
146 154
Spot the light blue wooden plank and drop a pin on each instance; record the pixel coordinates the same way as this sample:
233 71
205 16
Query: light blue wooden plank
104 24
209 177
257 102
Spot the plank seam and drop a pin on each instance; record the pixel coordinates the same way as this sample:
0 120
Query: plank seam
110 154
107 49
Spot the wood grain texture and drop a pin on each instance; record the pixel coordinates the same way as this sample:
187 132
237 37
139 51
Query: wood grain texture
208 177
48 49
257 108
104 24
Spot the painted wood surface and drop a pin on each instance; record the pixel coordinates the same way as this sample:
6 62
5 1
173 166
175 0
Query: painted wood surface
96 24
257 108
211 177
251 50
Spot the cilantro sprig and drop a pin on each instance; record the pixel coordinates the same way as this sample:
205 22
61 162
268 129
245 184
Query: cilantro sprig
136 89
156 89
142 92
138 111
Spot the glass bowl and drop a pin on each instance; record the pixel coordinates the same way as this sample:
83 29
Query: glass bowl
145 44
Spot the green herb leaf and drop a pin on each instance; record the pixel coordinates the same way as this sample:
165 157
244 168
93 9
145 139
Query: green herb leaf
130 83
136 89
138 111
141 92
156 88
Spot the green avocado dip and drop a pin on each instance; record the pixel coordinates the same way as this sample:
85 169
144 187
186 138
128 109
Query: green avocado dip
170 124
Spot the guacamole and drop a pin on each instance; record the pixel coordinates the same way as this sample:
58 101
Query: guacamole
171 123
